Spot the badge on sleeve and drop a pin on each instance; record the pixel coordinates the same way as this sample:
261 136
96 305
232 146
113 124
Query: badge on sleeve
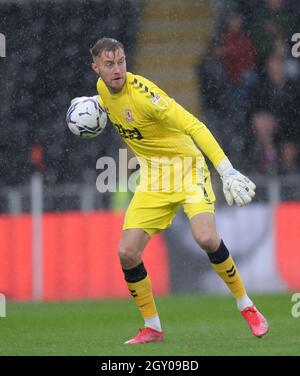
160 102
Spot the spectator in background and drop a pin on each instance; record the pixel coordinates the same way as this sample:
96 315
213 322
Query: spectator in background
212 76
239 58
212 79
289 158
227 75
238 51
219 104
275 118
272 24
248 10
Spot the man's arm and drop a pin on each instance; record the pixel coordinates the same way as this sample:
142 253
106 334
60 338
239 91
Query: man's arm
236 187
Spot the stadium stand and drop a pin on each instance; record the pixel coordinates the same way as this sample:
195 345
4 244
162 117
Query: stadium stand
166 53
46 66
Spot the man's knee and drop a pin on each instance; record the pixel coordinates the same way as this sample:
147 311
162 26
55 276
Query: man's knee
131 247
128 255
207 239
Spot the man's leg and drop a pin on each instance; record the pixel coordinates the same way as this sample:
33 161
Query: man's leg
131 248
204 232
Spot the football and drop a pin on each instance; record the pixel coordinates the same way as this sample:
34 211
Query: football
85 117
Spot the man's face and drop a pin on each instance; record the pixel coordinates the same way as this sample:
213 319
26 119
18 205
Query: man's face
111 67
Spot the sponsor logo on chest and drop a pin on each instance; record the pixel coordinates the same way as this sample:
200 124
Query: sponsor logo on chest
132 134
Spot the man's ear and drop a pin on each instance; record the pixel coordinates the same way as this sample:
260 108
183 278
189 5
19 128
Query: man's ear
95 68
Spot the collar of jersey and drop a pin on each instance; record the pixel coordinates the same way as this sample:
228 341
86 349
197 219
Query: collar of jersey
117 95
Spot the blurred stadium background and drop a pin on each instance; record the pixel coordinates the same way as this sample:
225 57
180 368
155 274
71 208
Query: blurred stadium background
228 62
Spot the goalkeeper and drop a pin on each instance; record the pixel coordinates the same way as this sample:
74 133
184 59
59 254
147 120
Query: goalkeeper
157 128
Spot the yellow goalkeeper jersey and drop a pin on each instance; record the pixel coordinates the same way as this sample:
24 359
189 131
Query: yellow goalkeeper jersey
155 125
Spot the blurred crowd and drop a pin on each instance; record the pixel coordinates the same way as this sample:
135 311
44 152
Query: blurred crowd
47 65
250 85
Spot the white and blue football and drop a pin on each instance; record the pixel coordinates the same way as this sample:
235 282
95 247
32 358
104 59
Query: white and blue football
86 118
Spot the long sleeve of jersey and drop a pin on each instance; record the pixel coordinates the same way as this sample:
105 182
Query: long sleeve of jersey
175 117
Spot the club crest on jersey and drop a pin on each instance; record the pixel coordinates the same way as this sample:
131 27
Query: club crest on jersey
128 115
160 102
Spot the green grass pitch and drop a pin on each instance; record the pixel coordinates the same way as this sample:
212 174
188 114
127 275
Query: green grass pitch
193 325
